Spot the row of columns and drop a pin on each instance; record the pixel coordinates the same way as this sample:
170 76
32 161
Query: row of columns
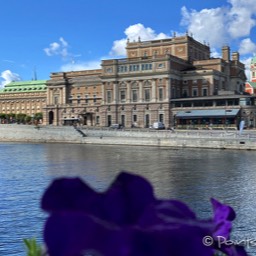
153 88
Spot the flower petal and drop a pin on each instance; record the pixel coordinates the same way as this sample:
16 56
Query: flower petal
75 233
222 211
127 199
223 216
166 240
70 194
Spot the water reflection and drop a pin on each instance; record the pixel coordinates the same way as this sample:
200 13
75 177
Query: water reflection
192 175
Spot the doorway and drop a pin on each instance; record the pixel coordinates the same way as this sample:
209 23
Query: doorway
51 117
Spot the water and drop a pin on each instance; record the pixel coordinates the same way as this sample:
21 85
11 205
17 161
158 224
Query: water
192 175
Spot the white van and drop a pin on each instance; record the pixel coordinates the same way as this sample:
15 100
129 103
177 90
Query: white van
158 126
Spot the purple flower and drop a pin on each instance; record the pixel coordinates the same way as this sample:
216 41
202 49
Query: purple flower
127 220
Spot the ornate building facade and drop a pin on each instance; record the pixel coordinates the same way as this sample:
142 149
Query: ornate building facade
138 90
27 97
250 86
74 97
156 82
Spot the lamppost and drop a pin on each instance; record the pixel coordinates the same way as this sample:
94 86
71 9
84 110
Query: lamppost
226 120
32 118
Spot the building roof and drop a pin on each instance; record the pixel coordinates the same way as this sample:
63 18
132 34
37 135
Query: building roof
253 84
24 86
207 113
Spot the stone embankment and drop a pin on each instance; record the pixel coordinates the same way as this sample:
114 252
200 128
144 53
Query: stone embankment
141 137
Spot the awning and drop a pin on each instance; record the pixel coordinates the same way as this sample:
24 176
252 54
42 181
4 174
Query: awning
207 113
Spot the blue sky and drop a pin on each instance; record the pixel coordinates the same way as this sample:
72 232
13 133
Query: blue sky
47 36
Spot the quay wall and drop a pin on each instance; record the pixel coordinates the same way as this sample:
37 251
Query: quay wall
177 139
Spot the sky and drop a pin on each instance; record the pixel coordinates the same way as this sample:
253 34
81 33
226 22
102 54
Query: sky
45 36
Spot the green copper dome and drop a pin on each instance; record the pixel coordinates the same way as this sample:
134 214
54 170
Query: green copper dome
24 86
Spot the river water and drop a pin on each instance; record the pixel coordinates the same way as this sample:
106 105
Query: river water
192 175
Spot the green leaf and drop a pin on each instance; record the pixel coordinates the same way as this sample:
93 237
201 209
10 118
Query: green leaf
33 249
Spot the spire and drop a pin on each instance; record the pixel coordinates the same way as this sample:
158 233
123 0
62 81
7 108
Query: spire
35 74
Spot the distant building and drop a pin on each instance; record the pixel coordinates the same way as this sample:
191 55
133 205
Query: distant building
174 81
74 97
250 86
23 97
142 88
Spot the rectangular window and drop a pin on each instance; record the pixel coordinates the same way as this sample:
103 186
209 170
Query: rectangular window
184 93
122 69
146 66
161 96
134 68
86 99
221 103
134 95
109 119
134 118
208 103
78 99
109 96
97 120
122 96
94 98
187 104
161 118
198 104
56 100
205 92
194 92
147 94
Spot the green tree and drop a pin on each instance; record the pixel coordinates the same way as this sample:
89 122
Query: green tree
28 119
38 116
20 118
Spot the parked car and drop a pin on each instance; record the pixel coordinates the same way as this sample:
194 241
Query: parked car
158 126
116 126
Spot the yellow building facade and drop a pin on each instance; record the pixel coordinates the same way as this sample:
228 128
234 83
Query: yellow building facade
134 91
23 97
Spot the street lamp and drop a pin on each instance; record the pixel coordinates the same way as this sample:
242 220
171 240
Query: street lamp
32 118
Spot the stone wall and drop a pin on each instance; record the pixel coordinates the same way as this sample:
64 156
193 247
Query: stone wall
42 134
181 139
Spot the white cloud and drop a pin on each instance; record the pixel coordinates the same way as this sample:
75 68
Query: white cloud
221 25
81 66
118 48
63 42
215 53
7 76
206 24
132 33
58 48
247 46
241 17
